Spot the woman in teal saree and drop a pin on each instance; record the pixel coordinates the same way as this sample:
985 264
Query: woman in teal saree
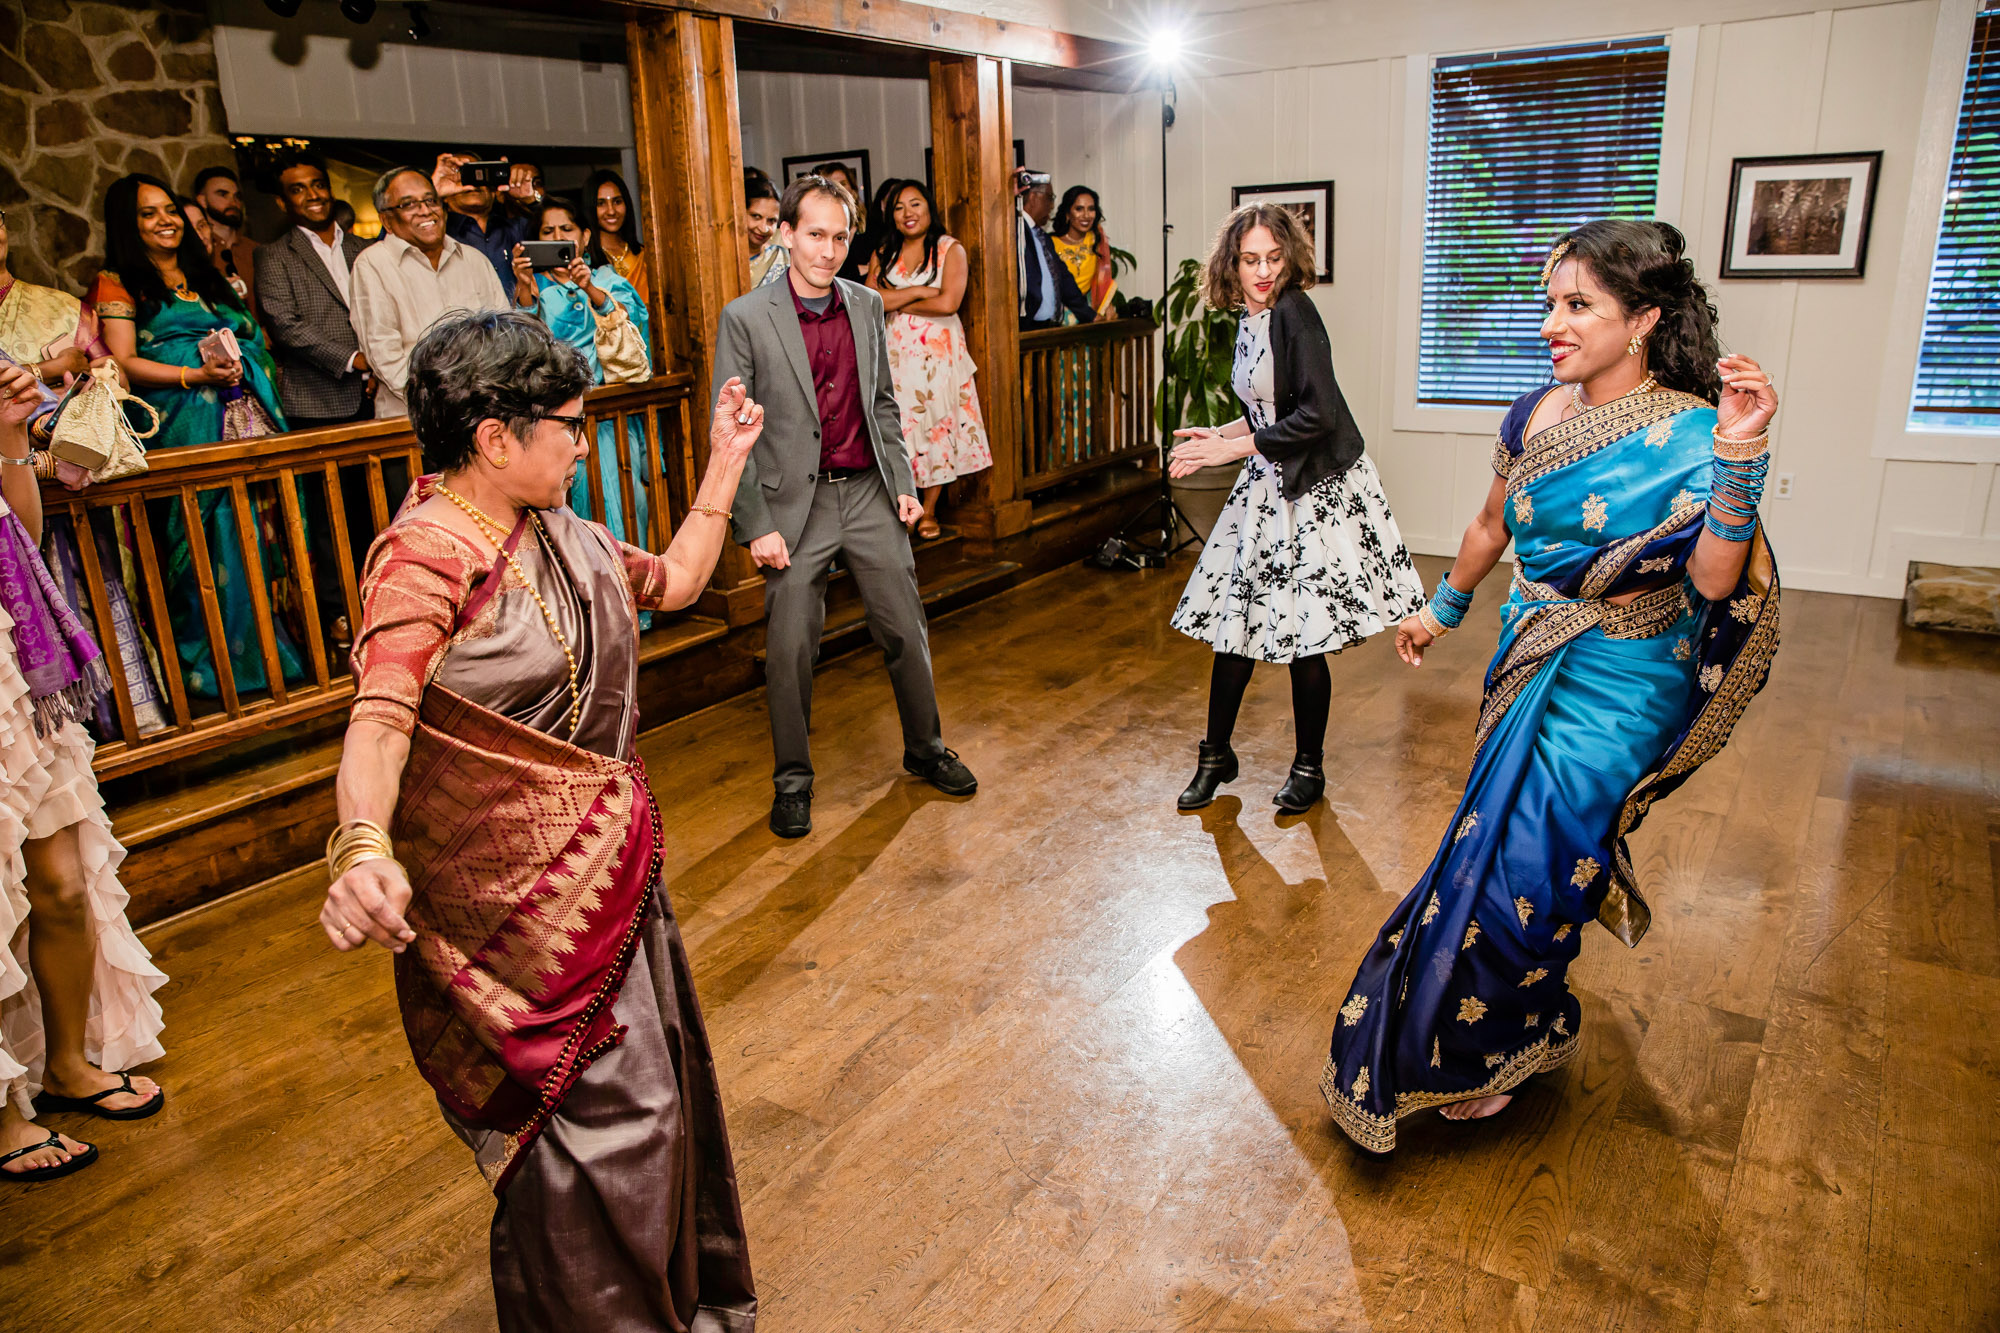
1642 618
157 301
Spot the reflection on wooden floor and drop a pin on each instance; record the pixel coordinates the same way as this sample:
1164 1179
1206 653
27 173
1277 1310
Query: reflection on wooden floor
1045 1059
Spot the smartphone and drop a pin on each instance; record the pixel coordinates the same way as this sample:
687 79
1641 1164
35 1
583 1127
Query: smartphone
483 175
546 255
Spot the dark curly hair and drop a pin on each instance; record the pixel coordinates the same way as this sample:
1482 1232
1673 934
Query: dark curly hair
1059 224
500 364
1644 266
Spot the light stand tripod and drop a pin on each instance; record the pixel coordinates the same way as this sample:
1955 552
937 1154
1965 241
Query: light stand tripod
1162 516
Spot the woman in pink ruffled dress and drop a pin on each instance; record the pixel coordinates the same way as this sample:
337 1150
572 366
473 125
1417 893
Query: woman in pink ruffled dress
76 986
920 273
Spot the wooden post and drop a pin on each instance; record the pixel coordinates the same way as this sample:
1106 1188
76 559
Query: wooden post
972 151
690 152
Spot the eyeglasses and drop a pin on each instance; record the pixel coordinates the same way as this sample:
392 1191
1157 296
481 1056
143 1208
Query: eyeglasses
574 425
410 207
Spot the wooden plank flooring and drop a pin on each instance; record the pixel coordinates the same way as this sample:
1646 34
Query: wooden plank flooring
1045 1059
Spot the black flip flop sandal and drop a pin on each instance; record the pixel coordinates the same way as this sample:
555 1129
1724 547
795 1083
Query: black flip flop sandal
34 1173
49 1101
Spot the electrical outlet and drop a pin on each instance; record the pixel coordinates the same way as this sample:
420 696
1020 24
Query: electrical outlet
1784 488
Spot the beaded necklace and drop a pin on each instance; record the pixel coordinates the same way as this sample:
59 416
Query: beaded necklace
498 537
1579 407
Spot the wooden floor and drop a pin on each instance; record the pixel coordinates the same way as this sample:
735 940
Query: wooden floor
1045 1059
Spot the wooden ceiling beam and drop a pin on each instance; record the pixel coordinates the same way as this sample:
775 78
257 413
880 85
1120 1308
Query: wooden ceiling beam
904 23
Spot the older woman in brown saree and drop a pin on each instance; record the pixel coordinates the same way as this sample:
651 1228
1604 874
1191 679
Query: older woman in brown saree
539 970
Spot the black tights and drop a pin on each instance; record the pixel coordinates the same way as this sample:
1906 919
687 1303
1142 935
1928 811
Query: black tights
1312 697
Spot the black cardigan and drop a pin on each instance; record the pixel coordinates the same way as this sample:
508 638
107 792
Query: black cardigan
1314 436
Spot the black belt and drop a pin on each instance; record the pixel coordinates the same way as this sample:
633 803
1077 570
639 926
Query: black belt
843 473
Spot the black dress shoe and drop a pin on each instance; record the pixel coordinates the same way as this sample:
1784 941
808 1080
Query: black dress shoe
944 772
1216 766
792 814
1304 785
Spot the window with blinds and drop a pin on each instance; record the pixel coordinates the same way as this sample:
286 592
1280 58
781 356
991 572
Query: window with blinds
1958 366
1523 146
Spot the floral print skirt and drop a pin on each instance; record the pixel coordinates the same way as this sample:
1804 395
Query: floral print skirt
1283 579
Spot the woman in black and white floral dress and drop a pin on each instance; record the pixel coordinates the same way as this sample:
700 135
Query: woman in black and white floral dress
1305 559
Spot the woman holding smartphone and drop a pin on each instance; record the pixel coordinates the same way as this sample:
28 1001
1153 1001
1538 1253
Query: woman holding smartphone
1305 559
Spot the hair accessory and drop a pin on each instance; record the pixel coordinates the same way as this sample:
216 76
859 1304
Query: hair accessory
1555 257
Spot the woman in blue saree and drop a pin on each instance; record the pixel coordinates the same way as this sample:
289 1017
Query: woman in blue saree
1643 616
600 314
157 300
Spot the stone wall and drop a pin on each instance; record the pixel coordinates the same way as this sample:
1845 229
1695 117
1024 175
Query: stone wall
89 92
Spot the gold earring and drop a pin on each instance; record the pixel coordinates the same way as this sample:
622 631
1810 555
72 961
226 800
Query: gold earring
499 460
1636 346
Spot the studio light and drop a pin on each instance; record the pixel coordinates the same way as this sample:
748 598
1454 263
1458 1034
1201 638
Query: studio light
1163 49
357 11
284 9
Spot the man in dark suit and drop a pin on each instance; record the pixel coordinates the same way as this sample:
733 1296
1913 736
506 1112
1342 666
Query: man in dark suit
1047 287
829 476
302 291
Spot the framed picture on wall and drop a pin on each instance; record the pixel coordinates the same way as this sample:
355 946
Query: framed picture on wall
1804 216
1311 202
854 159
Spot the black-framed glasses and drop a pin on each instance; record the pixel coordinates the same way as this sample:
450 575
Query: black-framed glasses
427 204
574 425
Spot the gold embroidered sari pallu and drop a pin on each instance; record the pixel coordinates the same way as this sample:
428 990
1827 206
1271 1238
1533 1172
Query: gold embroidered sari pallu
532 863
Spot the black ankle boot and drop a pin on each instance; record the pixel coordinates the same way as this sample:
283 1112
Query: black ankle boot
1216 766
1304 785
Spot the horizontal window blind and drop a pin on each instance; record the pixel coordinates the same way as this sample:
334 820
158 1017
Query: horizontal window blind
1958 366
1524 145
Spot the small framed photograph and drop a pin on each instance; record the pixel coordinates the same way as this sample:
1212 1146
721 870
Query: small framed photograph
855 160
1311 202
1804 216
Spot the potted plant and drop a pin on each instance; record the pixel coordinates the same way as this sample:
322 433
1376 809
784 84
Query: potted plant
1194 389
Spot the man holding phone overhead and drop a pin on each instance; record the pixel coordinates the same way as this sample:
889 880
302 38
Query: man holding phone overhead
477 193
406 281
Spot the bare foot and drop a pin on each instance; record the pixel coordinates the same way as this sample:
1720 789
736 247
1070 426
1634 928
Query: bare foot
1477 1109
88 1081
18 1133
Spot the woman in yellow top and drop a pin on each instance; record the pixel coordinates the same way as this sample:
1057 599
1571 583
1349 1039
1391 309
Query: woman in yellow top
1078 233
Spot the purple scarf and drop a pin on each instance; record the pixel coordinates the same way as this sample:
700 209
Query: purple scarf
64 667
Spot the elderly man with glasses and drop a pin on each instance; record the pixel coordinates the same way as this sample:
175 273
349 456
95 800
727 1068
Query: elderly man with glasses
411 278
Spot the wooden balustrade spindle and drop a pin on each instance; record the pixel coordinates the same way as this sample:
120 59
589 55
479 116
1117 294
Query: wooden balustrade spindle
211 606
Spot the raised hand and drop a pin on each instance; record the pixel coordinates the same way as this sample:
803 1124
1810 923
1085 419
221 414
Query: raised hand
1748 400
738 421
20 394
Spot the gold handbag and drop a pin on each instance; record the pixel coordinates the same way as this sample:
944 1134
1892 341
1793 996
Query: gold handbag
92 430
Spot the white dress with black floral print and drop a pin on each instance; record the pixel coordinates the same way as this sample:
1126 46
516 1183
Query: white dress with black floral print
1282 579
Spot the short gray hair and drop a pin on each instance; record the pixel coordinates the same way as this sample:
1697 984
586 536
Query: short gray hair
383 182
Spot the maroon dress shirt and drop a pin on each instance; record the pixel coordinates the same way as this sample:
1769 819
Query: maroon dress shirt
843 438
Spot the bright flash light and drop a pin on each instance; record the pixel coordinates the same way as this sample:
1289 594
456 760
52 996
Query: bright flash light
1163 48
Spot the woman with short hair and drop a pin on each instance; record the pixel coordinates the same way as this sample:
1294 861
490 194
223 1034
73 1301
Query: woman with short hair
1305 559
498 834
1642 618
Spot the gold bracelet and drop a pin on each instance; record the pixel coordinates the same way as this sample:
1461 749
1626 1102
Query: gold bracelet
1428 618
184 378
1734 450
710 509
356 841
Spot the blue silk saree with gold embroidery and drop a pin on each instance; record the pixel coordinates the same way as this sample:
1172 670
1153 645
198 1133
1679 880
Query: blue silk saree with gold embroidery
1594 708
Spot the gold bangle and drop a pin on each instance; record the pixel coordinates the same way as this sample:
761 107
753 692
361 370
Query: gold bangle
1741 451
356 841
710 509
184 378
1428 618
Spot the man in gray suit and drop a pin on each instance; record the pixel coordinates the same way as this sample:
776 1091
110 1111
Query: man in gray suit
302 292
828 477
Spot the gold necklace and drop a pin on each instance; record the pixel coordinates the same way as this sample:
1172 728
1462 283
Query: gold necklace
1577 404
499 539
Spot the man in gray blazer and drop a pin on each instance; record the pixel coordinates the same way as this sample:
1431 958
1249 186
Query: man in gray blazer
829 476
302 292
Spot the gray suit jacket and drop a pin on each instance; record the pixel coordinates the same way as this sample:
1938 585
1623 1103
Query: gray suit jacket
758 341
311 335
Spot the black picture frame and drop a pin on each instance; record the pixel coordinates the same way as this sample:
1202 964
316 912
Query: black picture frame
854 159
1292 195
1768 231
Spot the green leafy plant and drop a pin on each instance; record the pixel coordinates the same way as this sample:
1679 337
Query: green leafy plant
1199 354
1122 262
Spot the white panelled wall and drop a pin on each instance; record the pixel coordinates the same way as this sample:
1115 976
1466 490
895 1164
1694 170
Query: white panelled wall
1108 142
1864 499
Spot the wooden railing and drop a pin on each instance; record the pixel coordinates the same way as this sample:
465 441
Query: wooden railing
305 508
1086 399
